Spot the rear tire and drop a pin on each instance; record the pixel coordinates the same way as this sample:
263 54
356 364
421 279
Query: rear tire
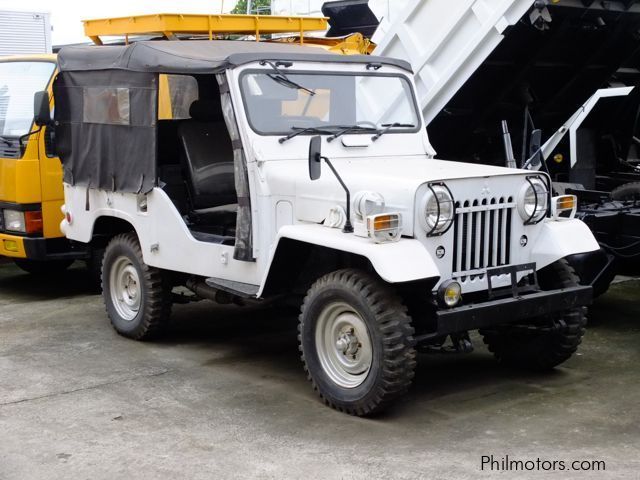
46 267
628 191
137 297
356 341
547 342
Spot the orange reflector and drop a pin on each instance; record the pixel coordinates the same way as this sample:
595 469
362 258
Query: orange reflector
566 203
10 245
385 222
33 222
559 158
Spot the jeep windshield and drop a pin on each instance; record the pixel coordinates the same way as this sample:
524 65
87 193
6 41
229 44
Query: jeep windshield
19 81
329 103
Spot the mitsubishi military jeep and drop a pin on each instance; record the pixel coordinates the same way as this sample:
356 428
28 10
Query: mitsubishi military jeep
254 172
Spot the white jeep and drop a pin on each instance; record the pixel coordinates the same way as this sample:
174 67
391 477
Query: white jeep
284 172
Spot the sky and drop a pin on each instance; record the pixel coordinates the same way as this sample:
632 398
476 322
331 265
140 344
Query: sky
66 15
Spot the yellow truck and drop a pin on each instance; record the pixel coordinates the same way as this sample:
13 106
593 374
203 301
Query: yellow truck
30 173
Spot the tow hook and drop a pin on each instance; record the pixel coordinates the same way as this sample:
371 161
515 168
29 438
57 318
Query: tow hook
460 343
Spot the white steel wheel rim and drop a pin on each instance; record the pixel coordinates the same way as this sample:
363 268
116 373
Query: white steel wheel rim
343 345
125 288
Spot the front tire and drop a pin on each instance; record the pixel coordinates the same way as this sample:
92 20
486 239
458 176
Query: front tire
356 341
546 342
137 297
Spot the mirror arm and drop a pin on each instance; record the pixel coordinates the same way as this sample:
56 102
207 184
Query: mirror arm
27 135
348 228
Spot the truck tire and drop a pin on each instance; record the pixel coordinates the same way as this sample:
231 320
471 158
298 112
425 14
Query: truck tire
137 297
46 267
356 341
628 191
539 347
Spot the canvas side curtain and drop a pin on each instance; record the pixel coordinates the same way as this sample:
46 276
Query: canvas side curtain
244 229
106 129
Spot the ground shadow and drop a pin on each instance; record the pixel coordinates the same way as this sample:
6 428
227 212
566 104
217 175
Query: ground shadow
20 286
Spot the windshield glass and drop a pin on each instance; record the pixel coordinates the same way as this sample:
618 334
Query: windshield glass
329 100
18 83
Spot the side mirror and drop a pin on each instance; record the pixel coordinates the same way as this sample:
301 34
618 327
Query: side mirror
41 111
315 158
535 145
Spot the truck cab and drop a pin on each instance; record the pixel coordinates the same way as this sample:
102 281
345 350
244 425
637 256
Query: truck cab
295 174
31 191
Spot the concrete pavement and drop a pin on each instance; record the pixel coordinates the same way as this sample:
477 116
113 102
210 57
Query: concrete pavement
223 395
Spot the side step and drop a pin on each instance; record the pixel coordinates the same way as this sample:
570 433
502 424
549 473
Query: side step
244 290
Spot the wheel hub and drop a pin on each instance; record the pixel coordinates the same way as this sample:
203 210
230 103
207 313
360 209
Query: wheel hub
348 343
124 283
343 345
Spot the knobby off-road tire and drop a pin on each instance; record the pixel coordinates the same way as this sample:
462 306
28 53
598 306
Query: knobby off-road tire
137 297
538 349
356 341
46 267
94 267
628 191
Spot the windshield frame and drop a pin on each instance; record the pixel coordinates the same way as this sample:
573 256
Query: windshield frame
350 73
45 87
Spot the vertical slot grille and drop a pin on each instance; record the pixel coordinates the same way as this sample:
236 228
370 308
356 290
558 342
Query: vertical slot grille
482 236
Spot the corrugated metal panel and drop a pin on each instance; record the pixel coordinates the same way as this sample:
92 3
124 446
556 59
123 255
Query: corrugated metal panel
24 33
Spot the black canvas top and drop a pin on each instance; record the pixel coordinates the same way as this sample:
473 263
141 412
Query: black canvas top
198 56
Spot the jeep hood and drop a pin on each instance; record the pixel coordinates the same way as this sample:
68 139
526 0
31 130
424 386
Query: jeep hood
397 179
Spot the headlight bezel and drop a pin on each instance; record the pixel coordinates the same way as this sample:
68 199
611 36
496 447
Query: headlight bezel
441 225
541 187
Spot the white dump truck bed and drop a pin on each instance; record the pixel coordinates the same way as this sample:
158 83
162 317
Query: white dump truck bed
446 41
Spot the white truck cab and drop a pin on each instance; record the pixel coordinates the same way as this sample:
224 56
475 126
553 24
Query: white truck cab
287 172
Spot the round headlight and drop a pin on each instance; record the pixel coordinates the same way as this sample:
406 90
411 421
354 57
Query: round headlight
438 210
533 201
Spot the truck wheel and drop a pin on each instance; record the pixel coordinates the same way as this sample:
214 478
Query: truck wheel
356 341
137 297
47 267
628 191
542 345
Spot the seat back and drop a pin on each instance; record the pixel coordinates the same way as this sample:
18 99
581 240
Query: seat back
208 156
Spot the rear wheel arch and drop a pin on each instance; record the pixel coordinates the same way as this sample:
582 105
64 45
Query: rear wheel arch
106 227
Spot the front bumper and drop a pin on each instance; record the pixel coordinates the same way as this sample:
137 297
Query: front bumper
12 246
38 248
509 310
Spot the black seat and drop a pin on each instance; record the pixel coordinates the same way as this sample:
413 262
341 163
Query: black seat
208 156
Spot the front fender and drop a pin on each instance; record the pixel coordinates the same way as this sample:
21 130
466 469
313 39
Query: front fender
397 262
559 239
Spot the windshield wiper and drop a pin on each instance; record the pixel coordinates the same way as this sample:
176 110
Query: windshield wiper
388 127
352 128
302 130
282 78
7 141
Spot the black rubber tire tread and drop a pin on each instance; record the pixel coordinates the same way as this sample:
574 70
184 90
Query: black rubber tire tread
42 267
628 191
387 320
156 291
542 351
94 267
